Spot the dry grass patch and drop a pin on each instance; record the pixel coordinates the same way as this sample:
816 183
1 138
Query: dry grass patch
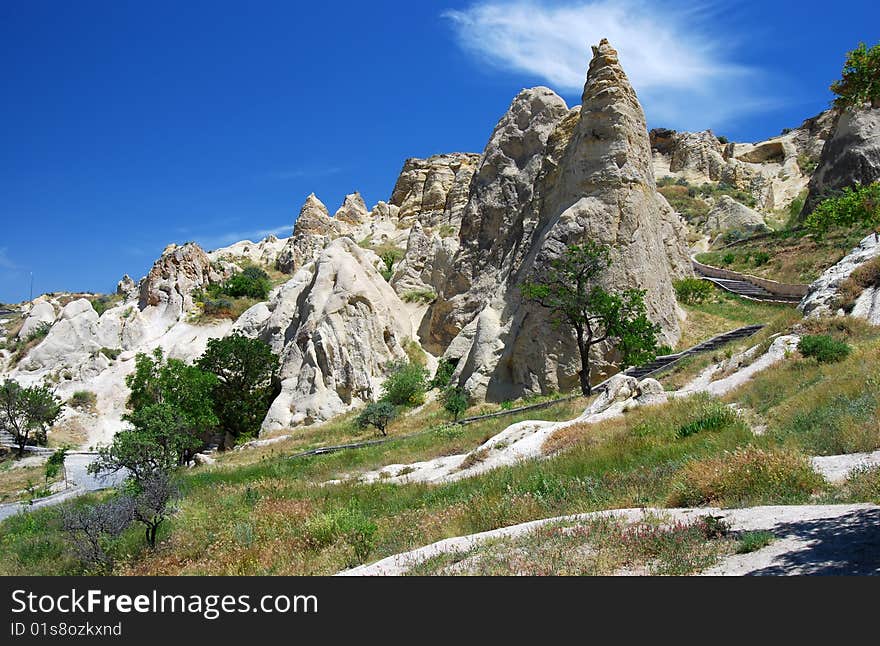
744 477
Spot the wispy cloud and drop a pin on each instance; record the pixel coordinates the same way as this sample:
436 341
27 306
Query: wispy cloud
671 55
301 173
214 241
6 261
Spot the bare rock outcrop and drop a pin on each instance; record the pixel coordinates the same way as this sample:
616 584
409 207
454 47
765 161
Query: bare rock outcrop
312 231
549 178
428 189
850 156
499 215
730 215
180 271
41 314
336 325
822 298
353 210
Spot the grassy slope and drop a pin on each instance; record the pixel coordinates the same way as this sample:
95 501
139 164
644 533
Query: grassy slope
257 512
794 256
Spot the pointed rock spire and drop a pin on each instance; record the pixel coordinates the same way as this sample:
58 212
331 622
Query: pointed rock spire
353 210
313 218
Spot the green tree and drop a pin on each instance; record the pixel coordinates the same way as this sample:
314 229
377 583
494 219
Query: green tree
567 287
246 371
855 206
406 384
379 414
455 401
860 81
184 393
157 441
27 413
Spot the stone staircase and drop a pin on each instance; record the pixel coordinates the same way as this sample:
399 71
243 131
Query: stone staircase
662 362
6 439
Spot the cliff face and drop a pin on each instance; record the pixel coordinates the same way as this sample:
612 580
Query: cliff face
549 178
850 156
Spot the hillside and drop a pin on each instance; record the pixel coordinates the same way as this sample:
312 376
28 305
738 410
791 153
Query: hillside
765 425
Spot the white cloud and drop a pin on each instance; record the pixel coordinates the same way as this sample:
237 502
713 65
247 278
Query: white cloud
5 261
671 55
222 240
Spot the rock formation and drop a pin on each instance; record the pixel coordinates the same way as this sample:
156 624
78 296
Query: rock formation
769 170
313 230
434 190
551 177
730 215
822 299
181 270
336 325
850 156
40 314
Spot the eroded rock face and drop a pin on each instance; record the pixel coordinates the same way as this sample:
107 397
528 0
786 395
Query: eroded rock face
180 271
312 231
499 214
850 156
769 170
428 189
353 210
40 314
336 325
730 215
822 299
565 177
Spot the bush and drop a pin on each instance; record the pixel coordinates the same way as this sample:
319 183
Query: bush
420 296
39 332
348 524
443 374
855 206
761 258
111 353
84 399
692 290
406 384
823 348
753 541
713 416
728 259
865 275
747 476
723 140
378 414
455 401
253 282
220 307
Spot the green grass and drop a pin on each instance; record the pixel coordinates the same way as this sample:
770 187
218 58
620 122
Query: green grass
753 541
259 512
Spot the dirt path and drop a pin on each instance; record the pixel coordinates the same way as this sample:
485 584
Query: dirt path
811 539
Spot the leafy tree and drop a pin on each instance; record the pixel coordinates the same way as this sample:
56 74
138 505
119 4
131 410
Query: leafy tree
406 384
860 81
455 401
855 206
379 414
246 371
27 413
157 442
567 287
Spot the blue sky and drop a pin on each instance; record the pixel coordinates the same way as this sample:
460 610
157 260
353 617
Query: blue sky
129 125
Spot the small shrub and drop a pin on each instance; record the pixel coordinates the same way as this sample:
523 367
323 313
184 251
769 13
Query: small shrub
807 164
455 401
692 291
712 417
823 348
82 399
111 353
864 276
406 384
219 307
420 296
753 541
378 414
39 332
761 258
728 259
348 524
746 476
446 230
443 375
723 140
253 282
